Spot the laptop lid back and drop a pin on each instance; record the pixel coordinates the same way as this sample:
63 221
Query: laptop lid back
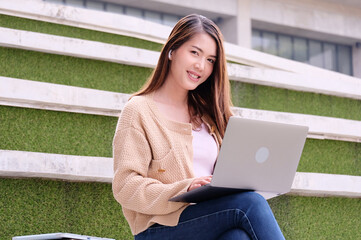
259 155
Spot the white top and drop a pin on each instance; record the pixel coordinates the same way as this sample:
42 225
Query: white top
204 152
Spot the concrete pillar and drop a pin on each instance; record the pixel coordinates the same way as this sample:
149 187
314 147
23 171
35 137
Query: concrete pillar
237 29
356 60
229 30
244 26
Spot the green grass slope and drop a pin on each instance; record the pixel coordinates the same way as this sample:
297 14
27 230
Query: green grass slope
89 135
36 206
115 77
74 32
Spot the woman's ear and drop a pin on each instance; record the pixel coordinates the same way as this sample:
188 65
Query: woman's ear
170 54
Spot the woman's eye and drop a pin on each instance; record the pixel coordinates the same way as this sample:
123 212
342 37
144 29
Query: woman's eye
211 60
194 52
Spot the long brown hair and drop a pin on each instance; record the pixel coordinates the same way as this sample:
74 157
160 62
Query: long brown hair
211 98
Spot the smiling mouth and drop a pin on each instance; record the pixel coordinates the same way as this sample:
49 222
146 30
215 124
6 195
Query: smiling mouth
193 76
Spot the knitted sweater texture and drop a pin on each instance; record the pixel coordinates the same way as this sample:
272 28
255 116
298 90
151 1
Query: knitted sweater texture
152 163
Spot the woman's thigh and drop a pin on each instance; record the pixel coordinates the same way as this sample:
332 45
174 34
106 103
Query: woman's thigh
247 202
209 227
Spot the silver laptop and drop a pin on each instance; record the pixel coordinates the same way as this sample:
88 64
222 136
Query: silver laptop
255 156
51 236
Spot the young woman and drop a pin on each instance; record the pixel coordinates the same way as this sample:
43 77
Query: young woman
167 140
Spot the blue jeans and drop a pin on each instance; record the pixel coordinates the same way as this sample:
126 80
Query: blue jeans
244 215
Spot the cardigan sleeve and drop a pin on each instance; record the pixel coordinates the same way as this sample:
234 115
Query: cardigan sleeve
131 186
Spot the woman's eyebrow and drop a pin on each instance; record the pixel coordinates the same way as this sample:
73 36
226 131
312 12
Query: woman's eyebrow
199 49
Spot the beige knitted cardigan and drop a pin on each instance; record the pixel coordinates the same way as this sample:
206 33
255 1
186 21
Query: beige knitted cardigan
152 163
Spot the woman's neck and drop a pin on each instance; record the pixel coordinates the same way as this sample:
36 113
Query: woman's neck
172 95
172 103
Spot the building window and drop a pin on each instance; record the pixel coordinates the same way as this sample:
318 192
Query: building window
158 17
331 56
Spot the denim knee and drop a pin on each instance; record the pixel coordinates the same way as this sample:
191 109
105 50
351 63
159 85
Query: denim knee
246 200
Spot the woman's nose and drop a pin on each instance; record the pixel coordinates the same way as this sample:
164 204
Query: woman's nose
200 64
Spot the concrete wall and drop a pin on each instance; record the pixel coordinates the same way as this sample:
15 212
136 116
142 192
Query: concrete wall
328 20
210 7
311 16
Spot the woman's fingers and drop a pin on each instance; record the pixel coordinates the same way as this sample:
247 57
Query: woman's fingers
198 182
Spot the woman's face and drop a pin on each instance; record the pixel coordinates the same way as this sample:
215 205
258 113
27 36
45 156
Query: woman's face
192 63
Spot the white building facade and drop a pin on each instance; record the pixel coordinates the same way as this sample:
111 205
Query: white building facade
323 33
